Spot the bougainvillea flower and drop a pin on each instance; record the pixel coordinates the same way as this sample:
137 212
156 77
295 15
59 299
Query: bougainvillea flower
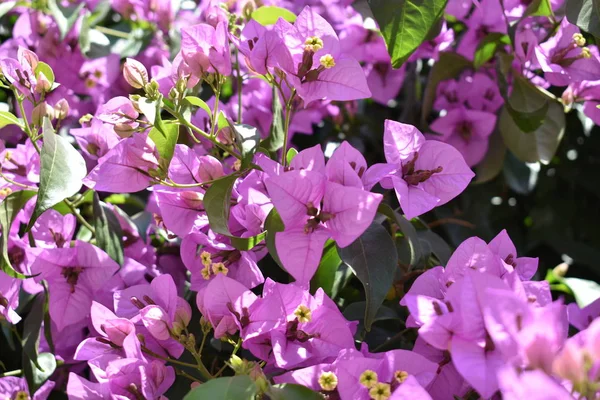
74 276
205 49
429 173
467 131
503 247
12 387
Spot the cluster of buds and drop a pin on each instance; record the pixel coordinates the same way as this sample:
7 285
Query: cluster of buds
43 110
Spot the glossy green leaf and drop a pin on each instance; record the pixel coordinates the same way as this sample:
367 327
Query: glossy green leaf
9 208
277 132
239 387
290 391
538 8
527 106
62 169
36 377
290 155
325 275
405 24
268 15
273 224
488 46
249 243
585 14
198 102
410 249
43 68
31 330
539 145
247 139
8 118
356 312
217 202
109 235
449 66
374 260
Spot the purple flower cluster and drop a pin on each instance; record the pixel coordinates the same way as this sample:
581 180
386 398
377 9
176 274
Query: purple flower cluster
159 258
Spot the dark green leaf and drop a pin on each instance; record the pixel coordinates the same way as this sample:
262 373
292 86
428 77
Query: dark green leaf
449 66
518 176
539 8
585 14
249 243
374 260
488 46
325 275
273 224
268 15
217 202
276 135
356 312
31 330
409 245
405 24
493 161
164 135
65 18
9 208
247 139
36 377
527 106
62 169
539 145
109 235
438 246
290 391
230 388
7 118
47 322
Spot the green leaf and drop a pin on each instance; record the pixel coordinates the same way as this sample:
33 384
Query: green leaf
356 312
149 108
488 46
138 39
539 145
249 243
268 15
493 161
290 155
325 275
37 377
7 118
374 260
217 202
198 102
585 14
43 68
405 24
277 132
6 7
273 224
449 66
109 235
239 387
165 136
290 391
9 208
585 291
247 139
438 246
539 8
31 331
527 106
409 245
65 18
62 169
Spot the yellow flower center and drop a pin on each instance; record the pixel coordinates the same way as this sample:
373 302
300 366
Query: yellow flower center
368 378
205 272
327 61
380 391
206 260
585 52
303 313
313 44
328 381
220 268
578 39
401 376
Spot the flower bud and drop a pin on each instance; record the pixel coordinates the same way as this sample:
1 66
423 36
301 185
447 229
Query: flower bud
27 57
40 112
124 130
61 109
135 73
156 320
43 85
205 325
183 316
561 270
